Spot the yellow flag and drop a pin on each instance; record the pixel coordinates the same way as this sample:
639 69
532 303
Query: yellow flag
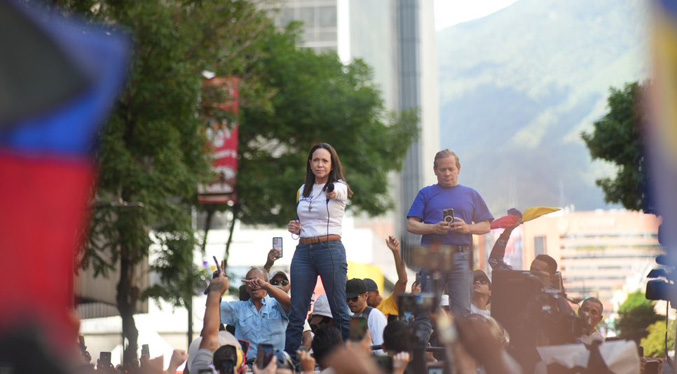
536 212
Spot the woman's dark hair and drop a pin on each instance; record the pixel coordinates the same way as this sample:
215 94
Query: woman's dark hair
335 174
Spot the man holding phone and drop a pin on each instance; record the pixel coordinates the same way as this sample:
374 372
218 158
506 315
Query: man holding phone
426 217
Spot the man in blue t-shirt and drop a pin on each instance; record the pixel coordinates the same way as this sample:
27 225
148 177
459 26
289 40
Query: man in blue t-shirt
471 217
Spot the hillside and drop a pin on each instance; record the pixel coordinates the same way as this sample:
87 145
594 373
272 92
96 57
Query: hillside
519 86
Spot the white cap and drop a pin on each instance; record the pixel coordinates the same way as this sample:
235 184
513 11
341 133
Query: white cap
321 306
225 338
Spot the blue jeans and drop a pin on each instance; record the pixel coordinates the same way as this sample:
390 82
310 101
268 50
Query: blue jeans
458 284
328 260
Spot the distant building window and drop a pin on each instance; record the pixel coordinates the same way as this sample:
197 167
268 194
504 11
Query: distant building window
308 16
327 16
539 245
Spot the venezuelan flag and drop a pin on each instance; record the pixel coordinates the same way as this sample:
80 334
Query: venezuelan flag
47 165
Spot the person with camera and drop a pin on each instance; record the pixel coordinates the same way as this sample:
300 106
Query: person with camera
543 266
321 205
448 213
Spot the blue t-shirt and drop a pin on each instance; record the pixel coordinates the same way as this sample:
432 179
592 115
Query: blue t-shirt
466 202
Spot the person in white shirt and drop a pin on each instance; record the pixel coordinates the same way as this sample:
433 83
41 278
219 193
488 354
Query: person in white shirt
591 311
356 295
321 204
481 293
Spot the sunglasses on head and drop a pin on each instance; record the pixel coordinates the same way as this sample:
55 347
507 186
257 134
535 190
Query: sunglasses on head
283 282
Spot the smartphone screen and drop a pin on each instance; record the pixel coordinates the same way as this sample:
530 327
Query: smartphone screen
104 359
358 329
264 355
277 244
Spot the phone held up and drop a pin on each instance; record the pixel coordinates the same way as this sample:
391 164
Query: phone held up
264 355
448 215
358 328
277 244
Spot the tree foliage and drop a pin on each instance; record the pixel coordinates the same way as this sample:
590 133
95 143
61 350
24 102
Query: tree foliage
152 152
318 99
636 314
654 342
617 138
153 155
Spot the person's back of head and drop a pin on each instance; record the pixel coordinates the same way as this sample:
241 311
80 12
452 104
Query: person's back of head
552 264
397 337
327 338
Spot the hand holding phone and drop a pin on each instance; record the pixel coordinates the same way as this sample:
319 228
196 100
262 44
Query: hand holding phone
358 328
277 245
448 216
264 355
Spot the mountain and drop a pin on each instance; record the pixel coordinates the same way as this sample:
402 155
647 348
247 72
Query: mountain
518 87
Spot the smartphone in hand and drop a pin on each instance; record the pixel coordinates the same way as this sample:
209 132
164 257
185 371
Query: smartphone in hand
358 328
265 354
277 244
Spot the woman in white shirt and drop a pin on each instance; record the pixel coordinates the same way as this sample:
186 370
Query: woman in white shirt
321 205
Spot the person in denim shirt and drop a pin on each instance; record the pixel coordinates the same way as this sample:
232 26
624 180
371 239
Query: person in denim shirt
262 318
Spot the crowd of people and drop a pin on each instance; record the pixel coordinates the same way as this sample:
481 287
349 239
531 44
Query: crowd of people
352 328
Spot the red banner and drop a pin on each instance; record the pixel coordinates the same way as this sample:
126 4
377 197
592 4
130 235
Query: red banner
223 143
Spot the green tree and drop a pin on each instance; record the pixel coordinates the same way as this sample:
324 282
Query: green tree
654 343
636 314
318 99
617 138
152 153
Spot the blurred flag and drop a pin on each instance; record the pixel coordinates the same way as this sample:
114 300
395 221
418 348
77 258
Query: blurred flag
661 129
47 165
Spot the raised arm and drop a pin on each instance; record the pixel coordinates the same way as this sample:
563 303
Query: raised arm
212 320
498 251
401 286
274 292
273 255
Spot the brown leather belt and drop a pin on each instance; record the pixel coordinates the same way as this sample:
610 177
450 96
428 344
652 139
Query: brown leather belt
320 239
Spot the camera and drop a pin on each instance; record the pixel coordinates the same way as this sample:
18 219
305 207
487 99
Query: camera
416 303
448 215
533 315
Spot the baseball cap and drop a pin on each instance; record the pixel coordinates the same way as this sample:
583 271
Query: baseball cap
479 274
285 275
355 287
321 307
371 285
225 339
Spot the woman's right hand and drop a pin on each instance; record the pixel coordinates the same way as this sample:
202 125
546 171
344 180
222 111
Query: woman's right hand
294 227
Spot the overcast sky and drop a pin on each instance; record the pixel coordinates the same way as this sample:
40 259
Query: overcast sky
451 12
